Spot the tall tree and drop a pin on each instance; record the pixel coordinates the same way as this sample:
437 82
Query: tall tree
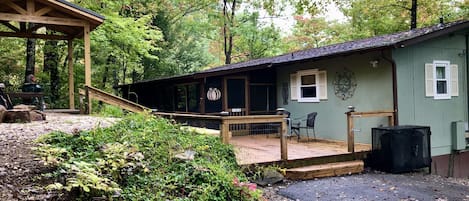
30 54
51 67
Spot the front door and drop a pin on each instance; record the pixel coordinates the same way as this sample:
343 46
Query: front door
236 101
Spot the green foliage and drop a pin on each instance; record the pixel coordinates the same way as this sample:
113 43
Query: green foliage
110 111
136 159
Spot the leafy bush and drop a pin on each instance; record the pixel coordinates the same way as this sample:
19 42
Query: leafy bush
137 159
109 111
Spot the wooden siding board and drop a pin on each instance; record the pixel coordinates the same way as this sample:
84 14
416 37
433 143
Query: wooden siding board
373 92
414 107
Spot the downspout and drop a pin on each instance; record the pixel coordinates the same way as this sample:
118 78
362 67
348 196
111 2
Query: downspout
467 71
394 86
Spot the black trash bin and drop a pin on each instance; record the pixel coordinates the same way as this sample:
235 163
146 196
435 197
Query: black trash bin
400 149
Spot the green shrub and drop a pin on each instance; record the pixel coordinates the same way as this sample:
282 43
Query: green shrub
106 110
136 159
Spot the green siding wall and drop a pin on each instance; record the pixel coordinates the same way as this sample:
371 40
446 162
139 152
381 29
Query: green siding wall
416 109
373 92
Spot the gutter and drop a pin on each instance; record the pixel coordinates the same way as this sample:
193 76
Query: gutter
394 86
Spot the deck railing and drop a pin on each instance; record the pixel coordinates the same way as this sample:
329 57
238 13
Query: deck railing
350 125
272 124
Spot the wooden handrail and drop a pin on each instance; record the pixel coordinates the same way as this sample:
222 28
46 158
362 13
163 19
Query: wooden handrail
97 94
352 115
225 133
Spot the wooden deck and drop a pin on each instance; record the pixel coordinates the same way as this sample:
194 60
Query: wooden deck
261 149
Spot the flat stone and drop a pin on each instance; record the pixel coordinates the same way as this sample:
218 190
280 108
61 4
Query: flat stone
17 116
3 111
270 177
186 155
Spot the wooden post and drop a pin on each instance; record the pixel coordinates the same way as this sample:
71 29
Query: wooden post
87 98
391 120
350 133
86 36
71 81
30 7
224 132
283 141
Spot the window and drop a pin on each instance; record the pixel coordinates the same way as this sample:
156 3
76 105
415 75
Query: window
308 85
187 98
441 80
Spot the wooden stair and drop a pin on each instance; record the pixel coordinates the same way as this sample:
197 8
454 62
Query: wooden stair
325 170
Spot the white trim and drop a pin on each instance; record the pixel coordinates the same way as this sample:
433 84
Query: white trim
314 72
447 79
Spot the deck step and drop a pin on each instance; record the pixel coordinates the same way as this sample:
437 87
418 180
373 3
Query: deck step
325 170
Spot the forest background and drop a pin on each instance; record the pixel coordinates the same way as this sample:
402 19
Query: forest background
147 39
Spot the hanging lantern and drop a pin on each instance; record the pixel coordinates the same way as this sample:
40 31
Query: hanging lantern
213 94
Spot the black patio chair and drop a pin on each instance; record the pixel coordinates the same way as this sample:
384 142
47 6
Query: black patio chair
310 123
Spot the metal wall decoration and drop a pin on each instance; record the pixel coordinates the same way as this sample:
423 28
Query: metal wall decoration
345 84
213 94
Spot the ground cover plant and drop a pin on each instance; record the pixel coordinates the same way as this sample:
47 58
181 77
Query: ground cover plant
144 157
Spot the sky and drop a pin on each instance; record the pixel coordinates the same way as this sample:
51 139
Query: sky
286 21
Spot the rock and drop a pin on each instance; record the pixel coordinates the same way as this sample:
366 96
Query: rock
3 110
37 115
24 107
17 116
269 177
187 155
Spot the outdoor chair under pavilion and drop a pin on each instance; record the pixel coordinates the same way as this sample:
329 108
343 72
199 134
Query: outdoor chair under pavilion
310 123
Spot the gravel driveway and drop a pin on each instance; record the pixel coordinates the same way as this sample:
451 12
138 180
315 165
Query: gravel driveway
19 169
374 185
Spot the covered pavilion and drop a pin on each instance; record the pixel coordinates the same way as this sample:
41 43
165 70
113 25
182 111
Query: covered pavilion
67 21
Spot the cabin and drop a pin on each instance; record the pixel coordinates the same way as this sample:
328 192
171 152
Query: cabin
415 77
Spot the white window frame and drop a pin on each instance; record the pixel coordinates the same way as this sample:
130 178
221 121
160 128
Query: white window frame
314 72
446 64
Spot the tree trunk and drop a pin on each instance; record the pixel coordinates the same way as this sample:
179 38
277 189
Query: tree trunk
413 15
51 65
30 55
228 24
111 60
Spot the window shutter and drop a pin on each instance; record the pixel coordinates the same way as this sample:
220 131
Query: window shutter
429 83
293 87
322 84
454 80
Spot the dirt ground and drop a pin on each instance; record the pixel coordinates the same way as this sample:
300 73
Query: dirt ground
19 169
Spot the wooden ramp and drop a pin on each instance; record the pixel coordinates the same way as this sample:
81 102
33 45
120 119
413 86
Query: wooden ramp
94 93
325 170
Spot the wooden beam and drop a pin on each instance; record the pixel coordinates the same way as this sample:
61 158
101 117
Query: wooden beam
87 41
30 7
15 7
87 55
71 79
43 11
42 19
34 28
73 10
30 35
12 27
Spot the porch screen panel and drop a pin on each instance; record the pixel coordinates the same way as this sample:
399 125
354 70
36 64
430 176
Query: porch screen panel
262 98
236 93
180 98
193 98
213 106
